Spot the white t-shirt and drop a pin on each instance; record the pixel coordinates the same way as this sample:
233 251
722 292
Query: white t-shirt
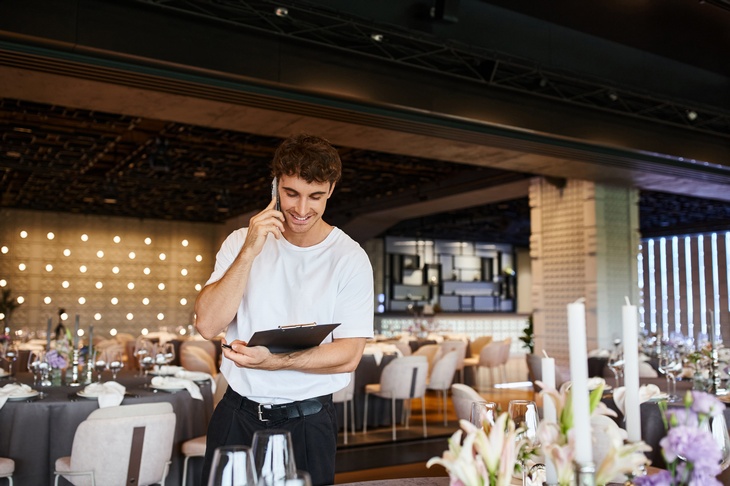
326 283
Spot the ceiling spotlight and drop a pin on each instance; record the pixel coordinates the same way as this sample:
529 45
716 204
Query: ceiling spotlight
281 11
612 96
691 115
377 37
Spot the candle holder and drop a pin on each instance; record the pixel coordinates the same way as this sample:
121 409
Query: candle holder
586 474
75 369
89 371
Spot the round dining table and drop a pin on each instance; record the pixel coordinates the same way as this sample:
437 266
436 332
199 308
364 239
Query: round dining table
36 431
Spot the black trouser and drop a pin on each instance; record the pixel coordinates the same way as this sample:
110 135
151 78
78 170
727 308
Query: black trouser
314 436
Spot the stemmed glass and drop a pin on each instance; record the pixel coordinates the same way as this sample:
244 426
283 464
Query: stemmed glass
144 351
168 350
670 363
100 363
616 362
273 456
232 466
116 363
524 414
481 412
40 368
718 427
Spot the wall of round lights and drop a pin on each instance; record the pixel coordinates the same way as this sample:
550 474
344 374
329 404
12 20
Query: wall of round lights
119 274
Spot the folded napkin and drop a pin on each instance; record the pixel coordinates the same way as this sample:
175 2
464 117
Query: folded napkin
375 352
170 383
196 376
168 370
599 353
109 394
13 390
646 393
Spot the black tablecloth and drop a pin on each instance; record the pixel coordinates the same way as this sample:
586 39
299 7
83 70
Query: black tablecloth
36 433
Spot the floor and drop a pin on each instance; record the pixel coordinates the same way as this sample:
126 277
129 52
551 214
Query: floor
375 456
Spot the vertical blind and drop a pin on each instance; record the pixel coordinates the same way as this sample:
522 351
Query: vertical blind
683 284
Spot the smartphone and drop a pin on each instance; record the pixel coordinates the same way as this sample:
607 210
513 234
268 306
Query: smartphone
227 346
275 193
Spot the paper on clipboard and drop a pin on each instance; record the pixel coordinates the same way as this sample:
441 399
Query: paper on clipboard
285 339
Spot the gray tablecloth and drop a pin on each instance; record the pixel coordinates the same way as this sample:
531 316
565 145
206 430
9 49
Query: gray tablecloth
38 432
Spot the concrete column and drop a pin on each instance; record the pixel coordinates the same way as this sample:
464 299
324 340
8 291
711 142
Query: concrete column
584 243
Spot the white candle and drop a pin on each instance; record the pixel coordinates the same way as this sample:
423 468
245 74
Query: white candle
548 412
91 341
632 412
48 334
76 333
579 380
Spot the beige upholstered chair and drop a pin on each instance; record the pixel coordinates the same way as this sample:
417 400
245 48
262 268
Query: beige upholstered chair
463 396
442 375
207 346
7 468
490 357
402 379
347 396
128 444
504 357
430 351
195 358
460 347
476 347
404 348
195 447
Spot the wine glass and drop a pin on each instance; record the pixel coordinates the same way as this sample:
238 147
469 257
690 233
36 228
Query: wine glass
524 414
35 359
273 456
616 362
232 466
481 412
144 351
99 363
670 363
116 363
168 350
719 431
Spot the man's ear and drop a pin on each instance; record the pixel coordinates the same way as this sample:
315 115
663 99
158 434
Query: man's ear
332 189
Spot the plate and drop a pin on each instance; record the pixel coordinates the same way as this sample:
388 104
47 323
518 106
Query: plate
661 396
168 387
197 376
85 394
24 396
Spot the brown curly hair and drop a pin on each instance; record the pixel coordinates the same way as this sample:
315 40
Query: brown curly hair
309 157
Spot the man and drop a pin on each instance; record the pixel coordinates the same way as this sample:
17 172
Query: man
288 267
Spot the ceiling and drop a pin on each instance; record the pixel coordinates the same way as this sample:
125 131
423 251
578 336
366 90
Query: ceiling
92 160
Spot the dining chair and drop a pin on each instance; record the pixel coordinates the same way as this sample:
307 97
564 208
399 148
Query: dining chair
347 396
490 357
7 468
430 351
460 347
402 379
128 444
196 446
442 376
504 353
476 347
463 396
194 358
205 345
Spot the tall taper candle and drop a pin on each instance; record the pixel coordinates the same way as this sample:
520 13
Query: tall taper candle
91 342
632 402
579 380
48 334
76 332
548 412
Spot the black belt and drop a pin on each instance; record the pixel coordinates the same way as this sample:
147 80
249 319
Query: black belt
268 411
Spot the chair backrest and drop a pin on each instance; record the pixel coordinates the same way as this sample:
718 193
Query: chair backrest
194 358
442 374
404 348
430 351
491 354
534 368
104 443
463 396
478 343
207 346
347 393
505 349
405 377
458 346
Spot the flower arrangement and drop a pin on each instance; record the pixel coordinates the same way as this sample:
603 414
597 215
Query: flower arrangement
612 455
58 357
689 448
487 456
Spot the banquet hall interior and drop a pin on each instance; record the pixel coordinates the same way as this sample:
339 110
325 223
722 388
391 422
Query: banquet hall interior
501 160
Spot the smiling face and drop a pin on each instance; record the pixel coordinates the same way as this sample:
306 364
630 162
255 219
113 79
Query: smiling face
303 204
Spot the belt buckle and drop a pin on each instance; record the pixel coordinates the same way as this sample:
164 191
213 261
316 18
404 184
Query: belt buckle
261 411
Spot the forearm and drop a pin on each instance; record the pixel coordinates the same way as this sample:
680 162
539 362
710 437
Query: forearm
339 356
218 302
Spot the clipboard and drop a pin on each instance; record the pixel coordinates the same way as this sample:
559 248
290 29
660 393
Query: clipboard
285 339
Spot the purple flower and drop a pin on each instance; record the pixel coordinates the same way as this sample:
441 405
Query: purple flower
706 404
682 416
56 360
662 478
692 445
